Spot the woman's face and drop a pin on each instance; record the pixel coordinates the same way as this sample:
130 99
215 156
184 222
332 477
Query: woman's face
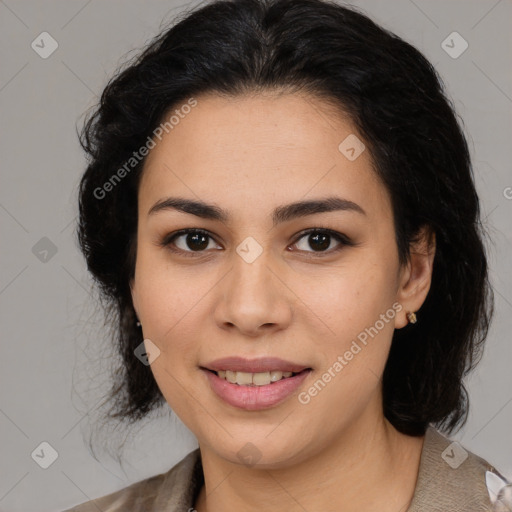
257 287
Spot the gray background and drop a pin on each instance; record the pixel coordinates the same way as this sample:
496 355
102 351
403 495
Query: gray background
53 340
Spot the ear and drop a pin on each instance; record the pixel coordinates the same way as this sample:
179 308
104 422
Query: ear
416 276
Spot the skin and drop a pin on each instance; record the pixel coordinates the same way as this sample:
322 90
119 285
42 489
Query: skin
248 155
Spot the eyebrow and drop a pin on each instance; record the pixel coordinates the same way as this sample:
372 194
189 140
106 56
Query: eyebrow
280 214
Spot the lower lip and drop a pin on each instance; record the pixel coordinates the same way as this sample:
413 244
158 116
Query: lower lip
254 398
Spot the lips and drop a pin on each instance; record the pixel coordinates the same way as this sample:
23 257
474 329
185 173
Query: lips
255 397
259 365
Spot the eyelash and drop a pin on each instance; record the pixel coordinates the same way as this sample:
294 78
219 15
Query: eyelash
344 240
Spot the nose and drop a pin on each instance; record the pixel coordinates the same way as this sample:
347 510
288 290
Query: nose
253 298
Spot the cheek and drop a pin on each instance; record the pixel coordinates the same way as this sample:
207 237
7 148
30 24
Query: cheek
167 298
356 344
168 306
351 296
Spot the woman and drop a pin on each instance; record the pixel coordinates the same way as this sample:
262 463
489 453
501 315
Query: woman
280 204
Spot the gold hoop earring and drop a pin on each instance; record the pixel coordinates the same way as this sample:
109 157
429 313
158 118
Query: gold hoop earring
411 317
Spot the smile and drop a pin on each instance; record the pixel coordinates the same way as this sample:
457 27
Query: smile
255 391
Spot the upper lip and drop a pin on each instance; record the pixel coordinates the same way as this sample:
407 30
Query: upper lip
259 365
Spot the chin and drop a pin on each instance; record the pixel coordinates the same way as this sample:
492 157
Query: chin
258 452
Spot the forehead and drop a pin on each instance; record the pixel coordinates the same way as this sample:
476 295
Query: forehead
261 149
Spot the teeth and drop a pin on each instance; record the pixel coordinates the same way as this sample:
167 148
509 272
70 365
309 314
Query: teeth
261 379
243 378
253 379
231 376
276 375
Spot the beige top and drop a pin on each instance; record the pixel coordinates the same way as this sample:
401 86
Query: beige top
449 479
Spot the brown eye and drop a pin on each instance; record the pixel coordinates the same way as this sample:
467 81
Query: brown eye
320 240
188 241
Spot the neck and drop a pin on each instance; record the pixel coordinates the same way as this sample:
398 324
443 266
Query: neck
370 467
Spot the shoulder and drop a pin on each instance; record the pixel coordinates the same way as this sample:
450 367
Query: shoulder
173 490
452 478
